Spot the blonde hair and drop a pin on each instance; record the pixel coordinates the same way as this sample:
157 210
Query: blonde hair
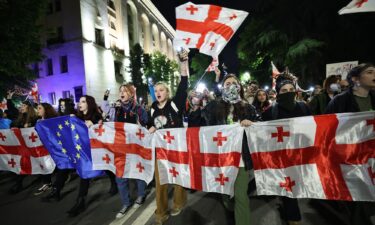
165 85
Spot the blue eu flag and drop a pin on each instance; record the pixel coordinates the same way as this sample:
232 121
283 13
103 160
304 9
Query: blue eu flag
67 140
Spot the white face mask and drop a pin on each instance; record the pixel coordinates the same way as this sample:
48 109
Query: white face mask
335 87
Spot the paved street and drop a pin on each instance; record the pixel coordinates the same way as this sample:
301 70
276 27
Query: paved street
203 208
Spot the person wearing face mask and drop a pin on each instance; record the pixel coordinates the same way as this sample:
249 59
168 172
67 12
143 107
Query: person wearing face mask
167 112
231 108
360 95
331 87
286 106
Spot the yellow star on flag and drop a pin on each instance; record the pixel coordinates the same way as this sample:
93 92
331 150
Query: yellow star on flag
59 142
72 126
63 150
67 123
78 156
58 134
78 147
77 136
60 127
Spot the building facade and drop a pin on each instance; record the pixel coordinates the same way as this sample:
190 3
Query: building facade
88 42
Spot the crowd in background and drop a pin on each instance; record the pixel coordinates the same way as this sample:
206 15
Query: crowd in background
233 102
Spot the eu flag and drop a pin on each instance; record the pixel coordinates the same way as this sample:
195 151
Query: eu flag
67 140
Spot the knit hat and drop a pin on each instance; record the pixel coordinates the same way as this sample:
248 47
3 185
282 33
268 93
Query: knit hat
285 78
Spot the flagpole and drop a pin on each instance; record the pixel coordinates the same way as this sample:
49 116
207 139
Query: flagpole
196 84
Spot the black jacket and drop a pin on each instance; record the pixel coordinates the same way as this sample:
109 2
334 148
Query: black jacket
215 113
170 116
345 102
301 109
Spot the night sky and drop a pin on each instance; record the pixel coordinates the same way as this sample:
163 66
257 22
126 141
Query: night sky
228 55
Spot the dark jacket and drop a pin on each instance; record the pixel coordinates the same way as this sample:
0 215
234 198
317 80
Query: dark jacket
301 109
345 102
94 118
319 103
170 116
131 113
216 113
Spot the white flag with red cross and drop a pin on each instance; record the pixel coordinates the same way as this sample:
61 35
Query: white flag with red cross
325 157
357 6
200 158
213 65
206 27
123 148
22 152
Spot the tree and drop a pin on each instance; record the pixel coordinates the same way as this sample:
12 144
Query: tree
135 69
160 68
20 44
303 35
199 64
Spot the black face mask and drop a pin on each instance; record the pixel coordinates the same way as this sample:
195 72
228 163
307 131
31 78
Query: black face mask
287 100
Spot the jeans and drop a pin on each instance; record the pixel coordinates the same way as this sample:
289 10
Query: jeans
123 188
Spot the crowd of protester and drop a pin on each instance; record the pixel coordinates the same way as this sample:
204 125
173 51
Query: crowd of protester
234 102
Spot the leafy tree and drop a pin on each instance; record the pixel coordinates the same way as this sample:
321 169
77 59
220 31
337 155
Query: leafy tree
160 68
199 64
135 69
20 43
303 35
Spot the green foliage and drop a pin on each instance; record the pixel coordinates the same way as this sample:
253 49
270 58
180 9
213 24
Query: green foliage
20 43
135 69
160 68
199 64
303 35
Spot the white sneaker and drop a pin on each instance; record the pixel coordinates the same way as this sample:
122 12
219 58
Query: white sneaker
122 212
43 189
139 202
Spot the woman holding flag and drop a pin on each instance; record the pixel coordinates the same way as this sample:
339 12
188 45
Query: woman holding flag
232 108
167 113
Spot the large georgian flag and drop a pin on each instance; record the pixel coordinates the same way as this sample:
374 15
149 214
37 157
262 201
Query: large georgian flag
206 27
357 6
205 158
123 148
325 157
22 152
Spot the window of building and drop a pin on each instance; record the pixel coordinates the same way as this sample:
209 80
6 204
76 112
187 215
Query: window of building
78 93
113 25
60 34
118 68
99 37
49 67
57 5
130 26
111 4
64 64
66 94
52 98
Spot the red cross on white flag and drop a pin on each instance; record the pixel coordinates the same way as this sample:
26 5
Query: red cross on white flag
206 27
3 105
123 148
325 157
357 6
22 152
205 158
213 65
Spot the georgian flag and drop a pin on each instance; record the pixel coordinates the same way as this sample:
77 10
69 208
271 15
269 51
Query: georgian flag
357 6
200 158
326 157
206 27
213 65
22 152
123 148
